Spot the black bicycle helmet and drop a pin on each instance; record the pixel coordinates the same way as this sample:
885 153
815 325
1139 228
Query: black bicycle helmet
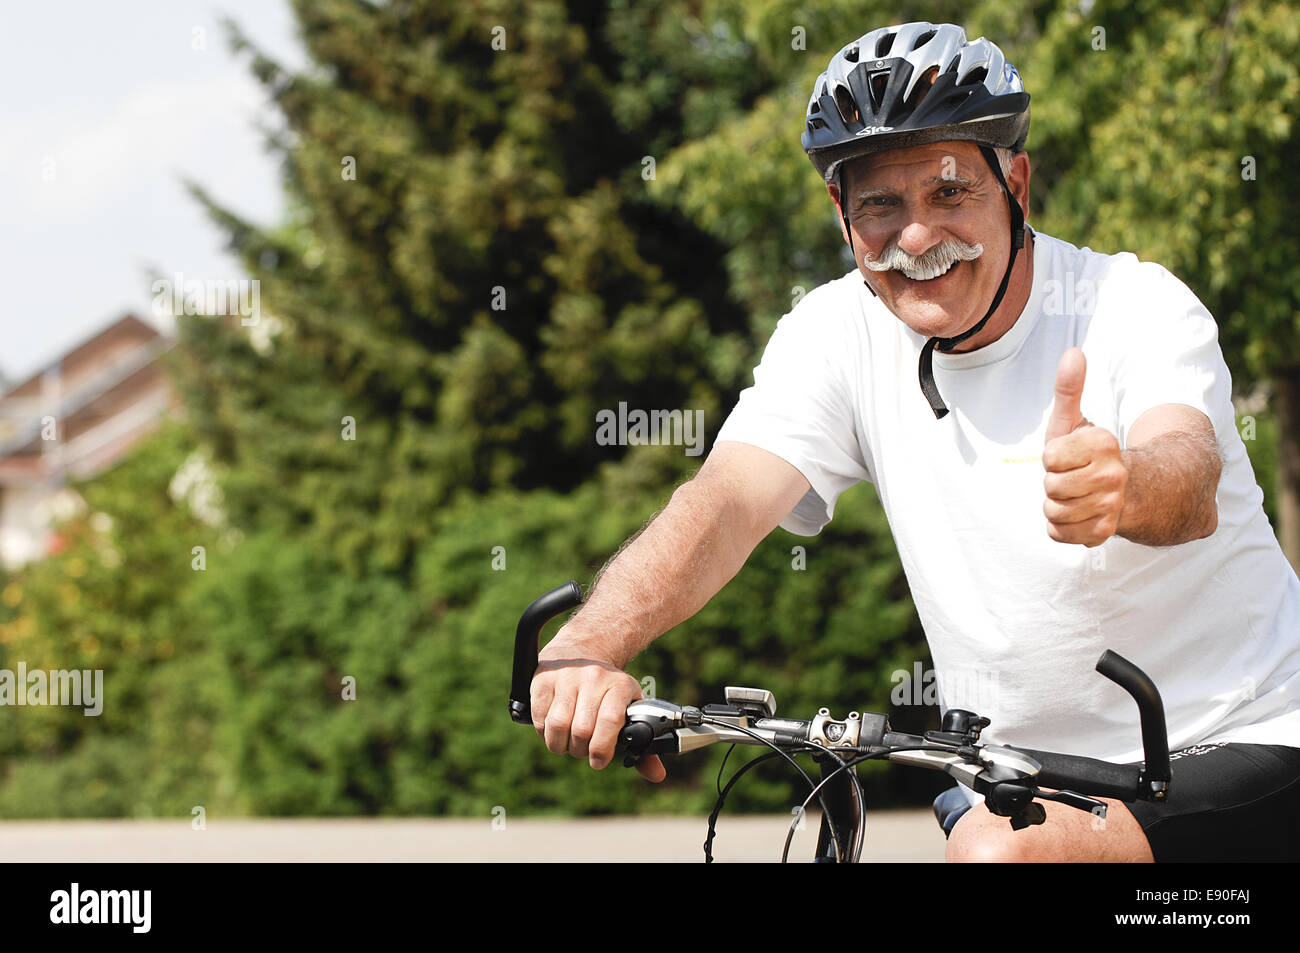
914 84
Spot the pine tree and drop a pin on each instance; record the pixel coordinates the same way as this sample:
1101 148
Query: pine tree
473 270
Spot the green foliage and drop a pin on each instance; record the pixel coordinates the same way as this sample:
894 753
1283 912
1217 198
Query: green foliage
107 601
288 629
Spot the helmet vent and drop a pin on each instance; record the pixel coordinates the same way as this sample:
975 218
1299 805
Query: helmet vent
878 83
923 39
848 108
851 54
884 45
975 77
923 84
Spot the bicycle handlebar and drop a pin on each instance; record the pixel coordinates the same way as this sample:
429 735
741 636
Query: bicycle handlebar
659 727
1069 772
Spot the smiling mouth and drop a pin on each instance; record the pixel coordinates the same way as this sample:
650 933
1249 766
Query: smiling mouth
947 271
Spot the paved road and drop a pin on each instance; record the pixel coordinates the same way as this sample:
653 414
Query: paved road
910 836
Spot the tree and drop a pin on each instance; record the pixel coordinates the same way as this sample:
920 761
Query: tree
471 273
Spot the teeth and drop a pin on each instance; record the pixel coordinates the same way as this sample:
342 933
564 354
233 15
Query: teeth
929 273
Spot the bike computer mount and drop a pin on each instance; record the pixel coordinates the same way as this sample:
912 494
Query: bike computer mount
755 702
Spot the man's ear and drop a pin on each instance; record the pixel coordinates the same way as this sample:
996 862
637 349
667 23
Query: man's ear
1018 180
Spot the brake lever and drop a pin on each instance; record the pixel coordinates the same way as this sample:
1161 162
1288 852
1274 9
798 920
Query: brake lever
1009 799
1019 803
634 739
649 729
633 743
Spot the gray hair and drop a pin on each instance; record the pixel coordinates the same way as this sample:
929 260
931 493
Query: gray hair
1004 159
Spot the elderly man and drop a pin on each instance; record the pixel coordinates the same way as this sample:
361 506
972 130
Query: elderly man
1067 477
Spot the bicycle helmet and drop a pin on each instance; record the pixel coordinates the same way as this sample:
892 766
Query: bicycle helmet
914 84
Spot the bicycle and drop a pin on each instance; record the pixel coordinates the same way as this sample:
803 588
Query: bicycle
1011 778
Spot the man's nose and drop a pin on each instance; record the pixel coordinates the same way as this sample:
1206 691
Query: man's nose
918 237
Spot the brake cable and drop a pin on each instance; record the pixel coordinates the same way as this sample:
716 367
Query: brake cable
835 836
777 751
844 765
718 784
722 797
858 793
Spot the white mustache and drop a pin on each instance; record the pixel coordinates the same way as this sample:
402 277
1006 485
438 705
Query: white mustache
924 267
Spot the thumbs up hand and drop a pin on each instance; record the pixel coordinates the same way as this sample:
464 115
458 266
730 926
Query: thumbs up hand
1086 475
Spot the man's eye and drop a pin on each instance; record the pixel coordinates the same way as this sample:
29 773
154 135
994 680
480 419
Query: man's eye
951 191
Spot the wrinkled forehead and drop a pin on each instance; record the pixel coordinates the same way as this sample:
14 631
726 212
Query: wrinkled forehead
900 167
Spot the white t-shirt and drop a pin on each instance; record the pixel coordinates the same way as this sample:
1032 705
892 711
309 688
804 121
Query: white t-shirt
1015 620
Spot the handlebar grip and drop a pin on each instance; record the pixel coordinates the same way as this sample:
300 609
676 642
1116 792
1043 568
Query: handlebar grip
1151 710
1085 775
542 610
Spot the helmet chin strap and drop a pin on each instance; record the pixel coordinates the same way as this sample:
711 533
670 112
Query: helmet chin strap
926 370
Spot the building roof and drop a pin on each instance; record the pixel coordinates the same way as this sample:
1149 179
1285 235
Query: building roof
126 327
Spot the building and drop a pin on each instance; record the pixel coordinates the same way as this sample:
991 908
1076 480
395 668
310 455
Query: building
72 419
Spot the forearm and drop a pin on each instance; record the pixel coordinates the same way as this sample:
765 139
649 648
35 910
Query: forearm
1169 497
661 577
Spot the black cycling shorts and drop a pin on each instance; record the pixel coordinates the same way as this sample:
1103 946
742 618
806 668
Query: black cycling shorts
1227 802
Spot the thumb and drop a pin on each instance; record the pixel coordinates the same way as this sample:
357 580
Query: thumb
1066 415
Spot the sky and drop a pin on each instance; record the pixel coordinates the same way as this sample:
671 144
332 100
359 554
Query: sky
108 108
